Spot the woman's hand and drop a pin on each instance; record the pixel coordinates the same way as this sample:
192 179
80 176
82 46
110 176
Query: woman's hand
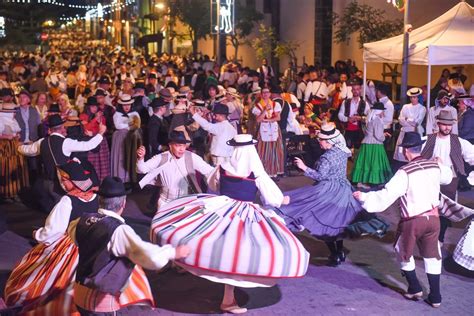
286 200
300 164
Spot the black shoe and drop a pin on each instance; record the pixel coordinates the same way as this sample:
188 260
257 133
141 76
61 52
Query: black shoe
334 260
342 256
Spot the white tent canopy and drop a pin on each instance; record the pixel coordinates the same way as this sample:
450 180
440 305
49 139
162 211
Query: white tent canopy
447 40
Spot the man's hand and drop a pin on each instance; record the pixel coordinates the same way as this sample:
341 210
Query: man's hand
141 151
182 251
192 110
438 160
286 200
102 129
357 195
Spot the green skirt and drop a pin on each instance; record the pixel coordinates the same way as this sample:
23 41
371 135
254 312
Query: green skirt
371 165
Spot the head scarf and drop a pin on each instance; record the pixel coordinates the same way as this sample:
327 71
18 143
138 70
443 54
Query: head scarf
244 161
340 142
8 124
373 114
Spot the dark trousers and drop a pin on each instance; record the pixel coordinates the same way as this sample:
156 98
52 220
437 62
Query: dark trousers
354 138
450 191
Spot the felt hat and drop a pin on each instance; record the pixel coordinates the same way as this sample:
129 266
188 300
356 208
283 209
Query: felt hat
113 187
411 139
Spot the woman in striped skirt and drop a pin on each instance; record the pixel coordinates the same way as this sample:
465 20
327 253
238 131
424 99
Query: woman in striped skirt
42 283
13 168
233 240
270 143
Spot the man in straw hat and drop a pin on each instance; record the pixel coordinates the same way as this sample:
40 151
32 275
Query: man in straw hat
221 132
441 104
109 249
417 186
452 152
174 170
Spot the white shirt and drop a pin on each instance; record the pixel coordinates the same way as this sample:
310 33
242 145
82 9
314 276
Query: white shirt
411 116
421 188
122 122
431 123
172 174
316 88
388 112
221 133
442 150
69 146
124 242
300 89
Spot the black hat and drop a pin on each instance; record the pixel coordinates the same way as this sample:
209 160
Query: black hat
276 89
355 82
178 137
157 102
443 94
25 92
113 187
104 79
378 106
78 175
91 101
100 92
152 75
411 139
6 92
55 120
220 108
54 108
454 75
139 85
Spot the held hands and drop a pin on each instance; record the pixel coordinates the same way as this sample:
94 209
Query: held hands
300 164
102 129
357 195
141 151
182 251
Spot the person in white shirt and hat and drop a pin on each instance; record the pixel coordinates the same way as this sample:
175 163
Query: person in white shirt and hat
221 132
442 103
411 119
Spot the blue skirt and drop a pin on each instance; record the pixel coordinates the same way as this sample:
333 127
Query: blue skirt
329 211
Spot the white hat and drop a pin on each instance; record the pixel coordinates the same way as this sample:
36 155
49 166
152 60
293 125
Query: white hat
414 92
125 99
328 131
242 140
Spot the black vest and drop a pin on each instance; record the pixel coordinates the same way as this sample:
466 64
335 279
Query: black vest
98 269
360 107
285 111
51 151
455 154
80 207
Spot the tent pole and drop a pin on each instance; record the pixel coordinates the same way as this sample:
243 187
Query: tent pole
428 92
405 57
364 87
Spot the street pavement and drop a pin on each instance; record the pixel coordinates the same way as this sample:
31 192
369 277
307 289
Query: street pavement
368 283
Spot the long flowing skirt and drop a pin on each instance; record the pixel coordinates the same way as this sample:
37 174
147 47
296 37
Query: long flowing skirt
272 156
117 155
101 160
329 211
233 242
464 251
13 169
42 283
371 165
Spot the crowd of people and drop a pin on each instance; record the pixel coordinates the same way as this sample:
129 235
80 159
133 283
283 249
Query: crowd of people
79 130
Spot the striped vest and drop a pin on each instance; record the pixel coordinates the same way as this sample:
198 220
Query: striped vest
455 154
423 192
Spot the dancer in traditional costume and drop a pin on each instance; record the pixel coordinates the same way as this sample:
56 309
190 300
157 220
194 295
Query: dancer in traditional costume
327 208
371 165
270 143
417 187
234 240
124 120
13 166
110 255
464 251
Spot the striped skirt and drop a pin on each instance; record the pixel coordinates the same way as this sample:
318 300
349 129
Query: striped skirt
42 283
232 241
271 154
464 251
13 169
101 160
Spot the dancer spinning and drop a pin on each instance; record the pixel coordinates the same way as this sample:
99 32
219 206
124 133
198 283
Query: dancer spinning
328 208
233 240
